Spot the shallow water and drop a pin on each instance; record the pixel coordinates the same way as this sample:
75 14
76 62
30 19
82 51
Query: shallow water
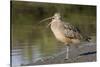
32 48
29 47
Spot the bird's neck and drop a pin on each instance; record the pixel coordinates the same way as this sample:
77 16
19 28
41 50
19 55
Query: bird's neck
55 23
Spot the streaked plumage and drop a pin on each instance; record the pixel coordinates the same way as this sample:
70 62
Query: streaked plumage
63 31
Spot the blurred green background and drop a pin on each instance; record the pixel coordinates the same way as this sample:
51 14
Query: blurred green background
27 32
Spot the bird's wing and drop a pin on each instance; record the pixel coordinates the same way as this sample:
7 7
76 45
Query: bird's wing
71 31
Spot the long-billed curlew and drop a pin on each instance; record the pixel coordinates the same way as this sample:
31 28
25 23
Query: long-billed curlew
64 32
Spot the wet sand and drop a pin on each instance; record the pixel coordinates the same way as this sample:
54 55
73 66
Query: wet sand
85 53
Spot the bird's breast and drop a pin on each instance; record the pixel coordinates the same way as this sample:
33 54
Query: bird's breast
60 35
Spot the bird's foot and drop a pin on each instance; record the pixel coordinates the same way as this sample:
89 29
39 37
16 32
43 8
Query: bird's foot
66 58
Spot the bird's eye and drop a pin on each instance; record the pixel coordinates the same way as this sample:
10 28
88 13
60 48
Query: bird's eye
52 18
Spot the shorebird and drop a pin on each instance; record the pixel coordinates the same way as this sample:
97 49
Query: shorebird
64 32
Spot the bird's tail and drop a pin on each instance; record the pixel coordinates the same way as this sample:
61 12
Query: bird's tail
87 38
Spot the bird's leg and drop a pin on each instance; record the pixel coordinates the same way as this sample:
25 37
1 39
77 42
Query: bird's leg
67 52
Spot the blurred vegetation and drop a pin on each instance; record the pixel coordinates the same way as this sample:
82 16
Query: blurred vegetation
25 17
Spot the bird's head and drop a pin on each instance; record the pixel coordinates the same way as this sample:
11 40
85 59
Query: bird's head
55 16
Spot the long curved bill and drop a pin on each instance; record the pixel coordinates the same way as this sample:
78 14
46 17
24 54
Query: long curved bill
45 19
